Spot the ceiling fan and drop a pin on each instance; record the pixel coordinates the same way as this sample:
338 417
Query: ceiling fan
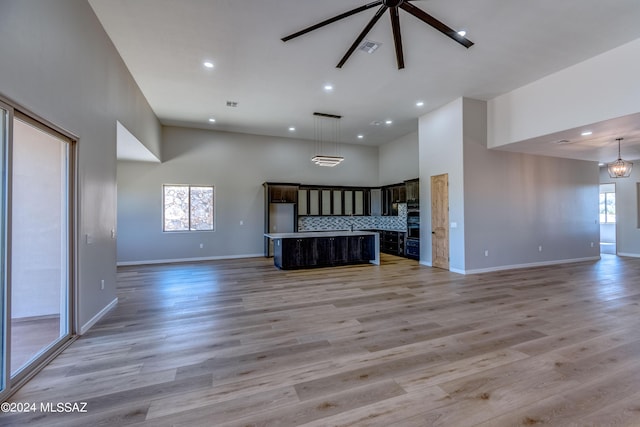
393 6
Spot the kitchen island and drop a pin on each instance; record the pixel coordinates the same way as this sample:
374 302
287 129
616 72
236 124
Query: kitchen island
324 249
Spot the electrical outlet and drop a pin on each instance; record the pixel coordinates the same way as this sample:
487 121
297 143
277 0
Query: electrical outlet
241 222
201 245
486 253
102 285
591 244
540 248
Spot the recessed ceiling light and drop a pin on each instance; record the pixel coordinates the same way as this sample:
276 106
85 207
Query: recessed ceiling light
462 33
328 87
212 120
388 122
420 104
208 64
292 129
586 133
360 136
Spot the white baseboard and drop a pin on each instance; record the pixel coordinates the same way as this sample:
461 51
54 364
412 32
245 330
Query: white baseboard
629 254
528 265
84 328
426 263
170 261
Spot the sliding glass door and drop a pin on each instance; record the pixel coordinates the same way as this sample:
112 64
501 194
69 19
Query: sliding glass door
37 246
39 241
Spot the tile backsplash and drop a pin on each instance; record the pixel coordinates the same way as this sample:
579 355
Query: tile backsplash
325 223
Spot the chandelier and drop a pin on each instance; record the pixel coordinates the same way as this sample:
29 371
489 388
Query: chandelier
620 168
327 136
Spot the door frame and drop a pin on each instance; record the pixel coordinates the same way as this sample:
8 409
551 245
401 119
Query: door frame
12 384
5 296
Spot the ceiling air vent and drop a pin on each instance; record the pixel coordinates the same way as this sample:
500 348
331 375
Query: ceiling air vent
232 104
369 46
561 142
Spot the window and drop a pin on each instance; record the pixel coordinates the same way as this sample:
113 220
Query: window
187 208
607 208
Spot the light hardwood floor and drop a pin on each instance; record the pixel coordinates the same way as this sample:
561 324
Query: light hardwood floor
30 336
239 343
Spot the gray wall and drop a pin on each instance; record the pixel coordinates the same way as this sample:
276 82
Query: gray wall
440 152
58 62
505 203
237 165
398 160
627 210
515 203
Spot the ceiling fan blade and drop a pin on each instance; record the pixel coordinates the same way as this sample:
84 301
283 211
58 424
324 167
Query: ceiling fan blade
332 20
397 37
440 26
362 35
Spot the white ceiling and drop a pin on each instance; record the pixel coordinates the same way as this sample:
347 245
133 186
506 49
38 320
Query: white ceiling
278 85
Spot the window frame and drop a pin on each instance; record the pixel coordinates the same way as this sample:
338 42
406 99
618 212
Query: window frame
189 187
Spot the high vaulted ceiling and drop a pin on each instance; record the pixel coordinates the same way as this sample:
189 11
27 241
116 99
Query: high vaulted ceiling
279 85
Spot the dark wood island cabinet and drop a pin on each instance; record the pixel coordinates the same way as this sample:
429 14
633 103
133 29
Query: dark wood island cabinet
324 249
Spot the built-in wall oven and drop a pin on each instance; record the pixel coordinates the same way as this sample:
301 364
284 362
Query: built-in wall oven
413 224
412 245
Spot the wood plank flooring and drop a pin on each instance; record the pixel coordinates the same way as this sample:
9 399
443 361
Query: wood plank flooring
240 343
30 336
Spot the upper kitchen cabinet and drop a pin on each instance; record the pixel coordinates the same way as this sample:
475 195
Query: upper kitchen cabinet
337 202
356 202
375 202
303 202
407 192
282 193
412 191
333 201
391 196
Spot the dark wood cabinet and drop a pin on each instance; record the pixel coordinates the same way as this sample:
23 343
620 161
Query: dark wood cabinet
391 196
333 201
283 193
276 193
412 188
331 250
392 242
290 254
361 248
294 253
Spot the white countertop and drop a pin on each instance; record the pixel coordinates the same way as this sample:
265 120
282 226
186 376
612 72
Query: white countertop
308 234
